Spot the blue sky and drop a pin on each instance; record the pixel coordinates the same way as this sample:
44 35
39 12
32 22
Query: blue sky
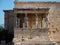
9 4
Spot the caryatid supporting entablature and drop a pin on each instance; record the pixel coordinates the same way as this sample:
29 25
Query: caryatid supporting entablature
32 18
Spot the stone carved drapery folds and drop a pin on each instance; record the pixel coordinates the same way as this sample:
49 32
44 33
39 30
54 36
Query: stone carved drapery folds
25 24
17 22
36 20
45 22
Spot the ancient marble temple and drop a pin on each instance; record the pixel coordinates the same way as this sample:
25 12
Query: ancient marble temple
34 22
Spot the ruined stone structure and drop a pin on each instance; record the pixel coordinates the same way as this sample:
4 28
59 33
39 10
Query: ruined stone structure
34 21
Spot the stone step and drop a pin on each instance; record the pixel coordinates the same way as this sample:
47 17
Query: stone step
34 43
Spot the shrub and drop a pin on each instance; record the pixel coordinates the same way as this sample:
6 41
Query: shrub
4 35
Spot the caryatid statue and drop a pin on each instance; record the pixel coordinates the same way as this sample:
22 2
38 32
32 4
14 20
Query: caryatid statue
26 20
36 19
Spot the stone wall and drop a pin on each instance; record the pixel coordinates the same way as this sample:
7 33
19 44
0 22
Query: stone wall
54 22
9 20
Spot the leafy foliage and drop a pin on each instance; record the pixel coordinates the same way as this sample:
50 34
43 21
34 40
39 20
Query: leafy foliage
4 35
